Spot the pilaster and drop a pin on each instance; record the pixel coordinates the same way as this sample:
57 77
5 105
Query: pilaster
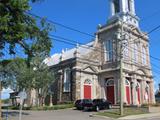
133 7
123 6
134 91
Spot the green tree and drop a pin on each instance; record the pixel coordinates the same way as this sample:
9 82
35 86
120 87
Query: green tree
38 76
18 27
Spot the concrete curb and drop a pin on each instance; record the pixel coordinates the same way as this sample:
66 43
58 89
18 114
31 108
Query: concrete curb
139 116
100 116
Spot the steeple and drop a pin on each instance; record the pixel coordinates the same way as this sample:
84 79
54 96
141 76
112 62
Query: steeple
124 10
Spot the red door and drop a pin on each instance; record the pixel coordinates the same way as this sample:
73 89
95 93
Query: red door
128 94
87 92
110 94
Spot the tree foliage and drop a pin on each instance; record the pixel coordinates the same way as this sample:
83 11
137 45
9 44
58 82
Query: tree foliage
18 27
19 76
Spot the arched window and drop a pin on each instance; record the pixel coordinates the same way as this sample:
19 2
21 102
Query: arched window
144 56
135 54
108 50
87 82
127 82
110 82
67 80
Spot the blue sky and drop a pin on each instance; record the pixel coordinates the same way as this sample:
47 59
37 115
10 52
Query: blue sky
85 15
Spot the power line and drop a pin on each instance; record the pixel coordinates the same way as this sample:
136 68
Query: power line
53 22
64 26
70 41
151 16
151 31
73 41
132 59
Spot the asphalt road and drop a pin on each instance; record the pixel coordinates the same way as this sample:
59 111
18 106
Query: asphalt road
67 114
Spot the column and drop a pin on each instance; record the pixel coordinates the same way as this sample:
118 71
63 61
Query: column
60 86
152 96
123 5
134 91
143 89
116 79
132 7
103 88
124 89
93 87
81 85
112 9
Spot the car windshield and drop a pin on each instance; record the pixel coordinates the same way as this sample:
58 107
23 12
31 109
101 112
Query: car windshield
87 101
97 100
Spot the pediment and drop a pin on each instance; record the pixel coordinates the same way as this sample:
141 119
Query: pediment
90 69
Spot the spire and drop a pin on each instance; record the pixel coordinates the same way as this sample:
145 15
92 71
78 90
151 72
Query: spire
124 9
62 55
76 52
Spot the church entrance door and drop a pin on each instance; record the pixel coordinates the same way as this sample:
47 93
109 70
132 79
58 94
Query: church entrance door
87 89
110 91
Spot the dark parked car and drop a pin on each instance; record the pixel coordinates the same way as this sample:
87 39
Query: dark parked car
95 104
82 104
99 104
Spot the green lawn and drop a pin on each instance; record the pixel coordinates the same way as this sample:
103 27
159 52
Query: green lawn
114 113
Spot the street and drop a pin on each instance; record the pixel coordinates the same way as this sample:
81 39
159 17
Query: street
67 114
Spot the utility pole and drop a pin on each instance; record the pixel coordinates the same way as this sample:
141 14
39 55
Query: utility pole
121 72
0 97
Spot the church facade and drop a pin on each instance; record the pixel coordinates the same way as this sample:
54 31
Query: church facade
93 70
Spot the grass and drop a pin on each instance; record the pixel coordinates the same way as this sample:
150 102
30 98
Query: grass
127 111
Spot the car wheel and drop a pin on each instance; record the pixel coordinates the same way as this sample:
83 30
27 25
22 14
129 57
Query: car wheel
97 108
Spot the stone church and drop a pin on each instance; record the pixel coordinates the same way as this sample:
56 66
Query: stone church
93 70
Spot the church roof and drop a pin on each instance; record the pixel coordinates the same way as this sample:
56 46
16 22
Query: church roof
68 54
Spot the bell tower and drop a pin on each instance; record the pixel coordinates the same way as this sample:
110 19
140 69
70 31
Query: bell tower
122 36
124 10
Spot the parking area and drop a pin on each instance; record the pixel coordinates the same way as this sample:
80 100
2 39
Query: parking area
68 114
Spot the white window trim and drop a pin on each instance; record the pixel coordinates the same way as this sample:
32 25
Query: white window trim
135 53
65 80
108 54
144 56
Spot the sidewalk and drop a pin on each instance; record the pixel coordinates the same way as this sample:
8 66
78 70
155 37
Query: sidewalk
139 116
